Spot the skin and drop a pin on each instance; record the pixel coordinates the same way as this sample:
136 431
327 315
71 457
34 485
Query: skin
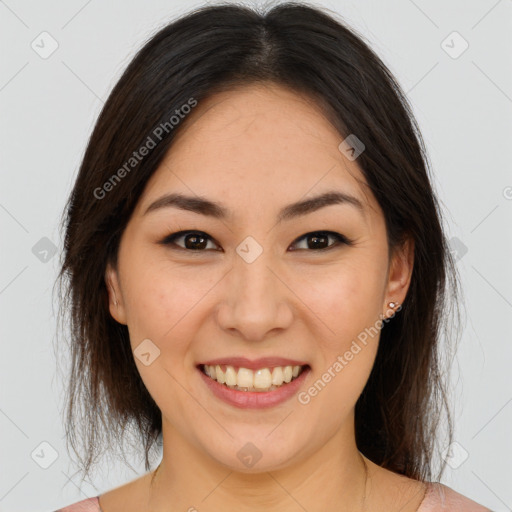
255 150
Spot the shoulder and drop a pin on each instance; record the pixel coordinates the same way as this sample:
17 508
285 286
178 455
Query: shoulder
87 505
441 498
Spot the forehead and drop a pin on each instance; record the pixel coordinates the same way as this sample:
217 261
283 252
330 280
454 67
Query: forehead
281 124
257 145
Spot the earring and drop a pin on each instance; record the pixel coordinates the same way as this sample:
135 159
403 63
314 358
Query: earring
392 305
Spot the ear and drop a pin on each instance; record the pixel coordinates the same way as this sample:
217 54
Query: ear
116 305
399 276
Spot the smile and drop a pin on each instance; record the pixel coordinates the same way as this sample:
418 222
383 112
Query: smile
249 380
254 384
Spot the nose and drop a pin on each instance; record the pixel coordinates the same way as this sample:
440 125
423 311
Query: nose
256 300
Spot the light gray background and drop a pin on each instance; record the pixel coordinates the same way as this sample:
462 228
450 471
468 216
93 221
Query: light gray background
49 106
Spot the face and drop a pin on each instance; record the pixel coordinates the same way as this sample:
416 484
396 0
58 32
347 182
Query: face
251 277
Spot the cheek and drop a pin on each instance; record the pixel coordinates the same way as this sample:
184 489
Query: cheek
163 299
345 297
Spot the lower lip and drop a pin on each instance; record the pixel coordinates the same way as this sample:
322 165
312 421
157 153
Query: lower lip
255 399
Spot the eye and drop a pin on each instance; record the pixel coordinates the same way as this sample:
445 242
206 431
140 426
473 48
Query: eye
193 240
198 241
320 240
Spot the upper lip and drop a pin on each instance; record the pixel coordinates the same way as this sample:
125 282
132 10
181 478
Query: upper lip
255 364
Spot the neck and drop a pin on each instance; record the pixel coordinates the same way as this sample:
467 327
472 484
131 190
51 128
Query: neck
334 476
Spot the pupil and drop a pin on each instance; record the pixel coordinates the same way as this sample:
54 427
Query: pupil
195 244
315 239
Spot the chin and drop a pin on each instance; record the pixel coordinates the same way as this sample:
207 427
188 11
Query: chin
253 452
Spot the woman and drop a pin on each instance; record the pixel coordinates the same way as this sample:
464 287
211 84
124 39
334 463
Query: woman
256 271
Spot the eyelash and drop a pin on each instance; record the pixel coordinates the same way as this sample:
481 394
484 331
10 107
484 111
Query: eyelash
340 239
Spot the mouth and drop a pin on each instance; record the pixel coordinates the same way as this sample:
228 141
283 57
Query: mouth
264 379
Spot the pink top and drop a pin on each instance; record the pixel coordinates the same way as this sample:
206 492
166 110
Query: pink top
438 498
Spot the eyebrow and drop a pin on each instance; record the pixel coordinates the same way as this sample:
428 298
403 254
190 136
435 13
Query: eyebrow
210 208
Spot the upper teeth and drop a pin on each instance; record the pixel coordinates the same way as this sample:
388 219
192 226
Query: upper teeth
263 378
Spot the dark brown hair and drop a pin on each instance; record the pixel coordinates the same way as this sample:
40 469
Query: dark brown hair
218 48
